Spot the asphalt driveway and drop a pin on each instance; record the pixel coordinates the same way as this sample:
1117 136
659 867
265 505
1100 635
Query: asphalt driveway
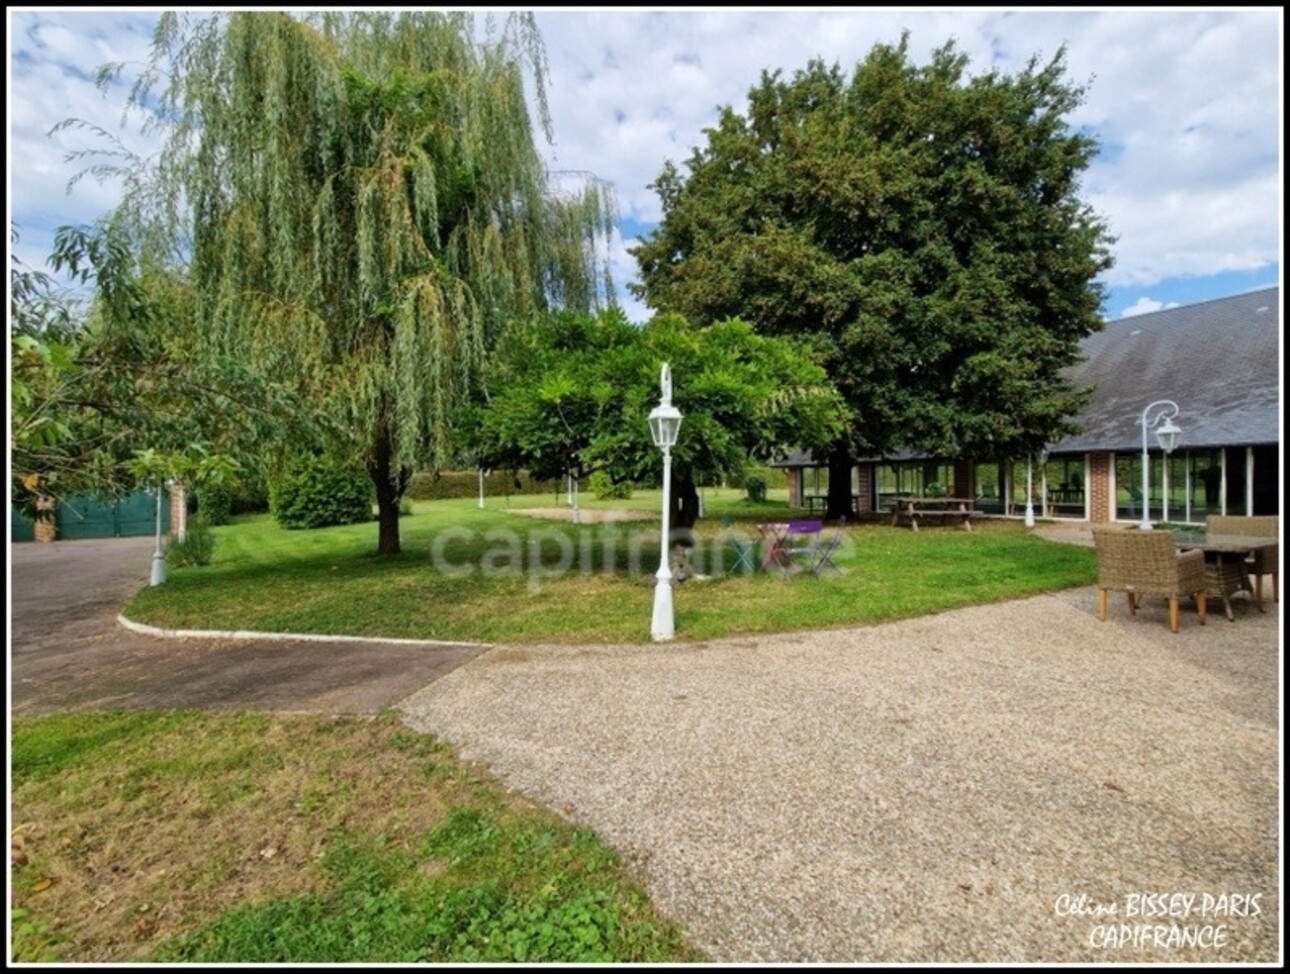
68 652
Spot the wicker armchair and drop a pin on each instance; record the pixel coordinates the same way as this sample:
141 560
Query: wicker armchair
1140 563
1263 562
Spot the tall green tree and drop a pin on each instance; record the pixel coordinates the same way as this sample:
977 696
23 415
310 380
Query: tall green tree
102 371
363 207
923 228
572 394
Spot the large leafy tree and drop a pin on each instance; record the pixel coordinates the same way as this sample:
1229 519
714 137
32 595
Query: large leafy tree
102 372
922 228
571 393
363 207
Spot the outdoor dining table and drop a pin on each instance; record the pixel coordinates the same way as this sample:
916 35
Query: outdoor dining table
1225 567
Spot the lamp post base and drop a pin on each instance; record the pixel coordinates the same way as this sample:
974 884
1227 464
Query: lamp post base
663 627
158 568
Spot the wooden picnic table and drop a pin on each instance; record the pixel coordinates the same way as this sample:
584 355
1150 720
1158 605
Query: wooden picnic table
937 509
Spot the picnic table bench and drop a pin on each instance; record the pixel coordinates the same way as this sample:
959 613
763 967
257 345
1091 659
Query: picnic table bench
911 510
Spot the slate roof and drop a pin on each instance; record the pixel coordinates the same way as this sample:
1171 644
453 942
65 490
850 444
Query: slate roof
1219 360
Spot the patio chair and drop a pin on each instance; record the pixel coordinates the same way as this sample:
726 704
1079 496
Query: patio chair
801 544
826 548
1140 563
744 549
1263 562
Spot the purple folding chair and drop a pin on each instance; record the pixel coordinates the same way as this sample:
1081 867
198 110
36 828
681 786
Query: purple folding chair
801 542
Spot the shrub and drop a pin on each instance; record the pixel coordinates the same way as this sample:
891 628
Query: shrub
215 503
755 485
603 487
405 506
935 490
771 476
196 548
318 492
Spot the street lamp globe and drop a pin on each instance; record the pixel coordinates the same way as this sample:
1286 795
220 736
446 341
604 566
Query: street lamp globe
1159 416
664 426
1167 435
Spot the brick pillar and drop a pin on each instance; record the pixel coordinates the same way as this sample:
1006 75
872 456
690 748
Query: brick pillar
178 513
1099 487
864 487
46 528
794 486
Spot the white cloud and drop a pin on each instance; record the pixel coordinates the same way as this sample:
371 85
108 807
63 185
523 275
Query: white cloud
1144 306
1186 104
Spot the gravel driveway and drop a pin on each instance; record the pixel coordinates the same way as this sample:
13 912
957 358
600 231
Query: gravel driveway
998 783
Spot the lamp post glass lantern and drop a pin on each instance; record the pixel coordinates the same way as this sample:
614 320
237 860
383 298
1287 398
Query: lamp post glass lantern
664 425
1167 434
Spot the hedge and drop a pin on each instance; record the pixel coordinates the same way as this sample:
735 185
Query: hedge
446 484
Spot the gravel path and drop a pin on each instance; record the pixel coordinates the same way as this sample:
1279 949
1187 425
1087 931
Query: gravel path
990 784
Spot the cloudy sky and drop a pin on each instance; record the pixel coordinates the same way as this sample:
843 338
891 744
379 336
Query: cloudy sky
1186 105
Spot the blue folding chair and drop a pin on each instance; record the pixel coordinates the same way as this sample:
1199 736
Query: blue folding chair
742 548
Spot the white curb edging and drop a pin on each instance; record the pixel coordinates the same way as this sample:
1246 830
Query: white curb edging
282 636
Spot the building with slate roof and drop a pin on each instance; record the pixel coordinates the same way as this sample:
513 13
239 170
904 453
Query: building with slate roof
1219 360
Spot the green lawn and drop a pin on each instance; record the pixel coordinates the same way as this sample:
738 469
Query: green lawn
257 838
355 840
495 575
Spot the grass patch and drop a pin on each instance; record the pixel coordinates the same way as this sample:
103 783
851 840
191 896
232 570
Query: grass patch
494 575
255 838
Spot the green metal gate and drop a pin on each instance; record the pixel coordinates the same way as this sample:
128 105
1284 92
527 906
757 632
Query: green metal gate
21 527
86 516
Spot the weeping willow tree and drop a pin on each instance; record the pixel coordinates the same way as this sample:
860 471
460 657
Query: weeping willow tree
363 206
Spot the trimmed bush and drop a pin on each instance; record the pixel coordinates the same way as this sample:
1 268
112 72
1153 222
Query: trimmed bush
604 489
755 486
772 476
215 503
318 492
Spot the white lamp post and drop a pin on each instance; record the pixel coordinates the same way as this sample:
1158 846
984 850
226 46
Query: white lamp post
664 424
1030 484
481 488
1030 494
158 557
1167 434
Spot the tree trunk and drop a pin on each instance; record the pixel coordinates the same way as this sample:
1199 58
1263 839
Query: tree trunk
388 491
839 499
685 508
